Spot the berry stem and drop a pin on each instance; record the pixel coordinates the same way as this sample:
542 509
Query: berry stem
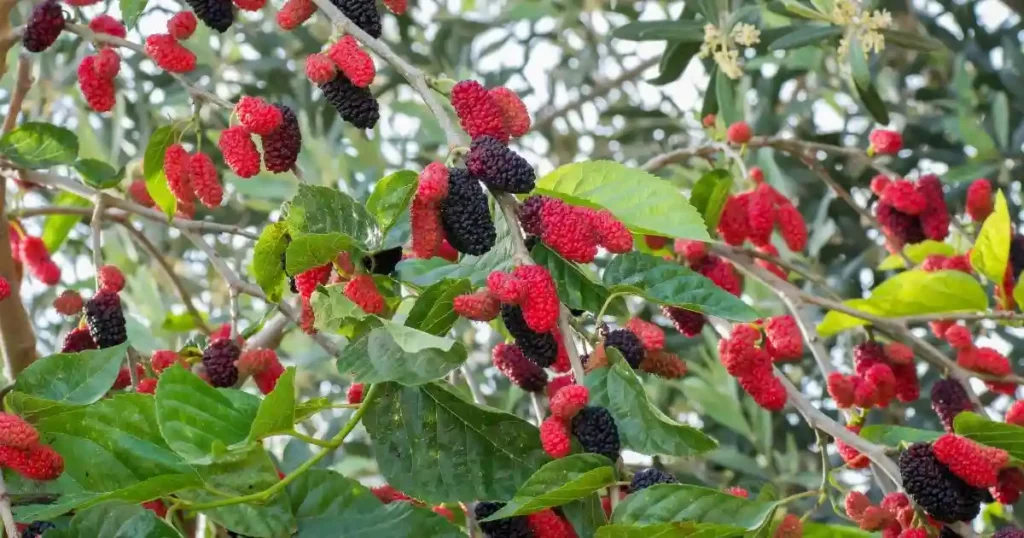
5 510
96 226
308 438
327 448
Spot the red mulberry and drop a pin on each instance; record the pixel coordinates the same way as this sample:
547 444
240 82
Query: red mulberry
885 142
427 230
513 111
68 303
164 359
258 116
784 340
979 200
524 373
353 61
498 167
465 215
851 456
355 393
766 389
733 224
650 335
904 197
41 462
479 113
975 464
841 389
611 233
44 25
687 322
567 230
554 437
362 290
941 494
77 340
479 306
98 91
739 133
1015 414
935 219
432 188
16 433
566 403
182 25
548 524
792 226
203 176
320 69
540 305
397 7
295 12
239 151
177 163
790 527
855 504
281 147
105 24
110 278
107 63
761 214
169 54
266 379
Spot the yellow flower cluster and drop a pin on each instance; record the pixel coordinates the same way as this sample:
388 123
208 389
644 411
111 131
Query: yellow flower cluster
723 47
860 24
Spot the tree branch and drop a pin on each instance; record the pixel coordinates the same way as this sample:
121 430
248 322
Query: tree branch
599 89
5 510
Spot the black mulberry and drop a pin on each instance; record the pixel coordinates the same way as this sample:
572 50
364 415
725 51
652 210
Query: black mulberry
947 532
499 167
281 147
1009 532
595 428
219 360
540 348
37 529
649 477
361 12
383 262
1017 254
217 14
949 399
355 105
106 320
465 217
77 340
510 527
44 26
941 494
509 359
628 344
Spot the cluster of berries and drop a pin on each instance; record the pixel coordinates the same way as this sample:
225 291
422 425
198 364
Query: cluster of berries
593 426
749 357
909 211
721 272
22 452
450 204
641 343
573 232
497 113
548 523
166 50
881 374
756 213
96 72
360 288
31 251
344 74
278 128
894 516
387 494
191 176
948 479
262 365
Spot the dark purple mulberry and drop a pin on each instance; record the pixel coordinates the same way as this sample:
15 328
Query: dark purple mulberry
465 217
687 322
219 360
529 215
947 532
941 494
77 340
649 477
1017 254
949 399
355 105
596 431
498 167
383 262
509 359
541 348
281 147
1009 532
361 12
628 344
44 26
37 529
105 319
217 14
510 527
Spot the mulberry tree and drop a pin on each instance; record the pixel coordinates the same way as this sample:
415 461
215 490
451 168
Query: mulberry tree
534 268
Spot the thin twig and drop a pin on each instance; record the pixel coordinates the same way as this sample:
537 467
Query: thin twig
471 382
97 232
5 510
598 89
538 411
22 85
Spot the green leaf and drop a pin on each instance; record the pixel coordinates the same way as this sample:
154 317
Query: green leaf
806 35
390 197
585 515
869 97
1008 437
725 95
98 174
153 169
198 421
38 145
917 252
433 312
327 212
911 40
674 60
575 288
313 250
973 133
710 104
859 68
642 426
890 435
645 203
329 505
131 10
669 283
1018 291
423 436
709 195
118 520
403 354
57 227
560 482
970 171
332 310
685 31
991 251
423 273
1001 119
277 410
836 322
819 530
799 9
665 503
268 260
72 378
669 530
